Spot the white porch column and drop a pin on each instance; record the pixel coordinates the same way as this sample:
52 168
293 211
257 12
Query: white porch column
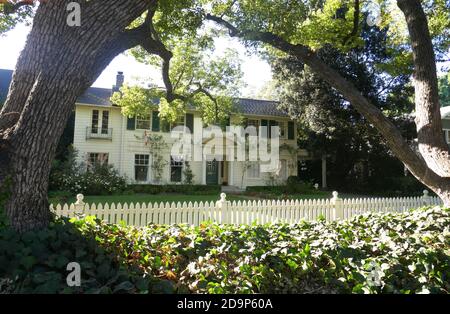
324 171
204 171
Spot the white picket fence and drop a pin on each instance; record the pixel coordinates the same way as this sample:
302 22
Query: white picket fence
241 212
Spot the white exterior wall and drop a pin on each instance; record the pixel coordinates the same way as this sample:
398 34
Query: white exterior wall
126 143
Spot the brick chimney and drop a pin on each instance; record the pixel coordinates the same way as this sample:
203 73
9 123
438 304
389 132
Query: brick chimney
119 81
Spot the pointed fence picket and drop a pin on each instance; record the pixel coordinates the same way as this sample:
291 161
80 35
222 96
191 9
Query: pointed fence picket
241 212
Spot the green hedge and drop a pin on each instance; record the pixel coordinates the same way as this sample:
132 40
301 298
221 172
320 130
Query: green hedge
175 188
403 253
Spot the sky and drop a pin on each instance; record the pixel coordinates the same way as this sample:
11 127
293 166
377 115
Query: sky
256 71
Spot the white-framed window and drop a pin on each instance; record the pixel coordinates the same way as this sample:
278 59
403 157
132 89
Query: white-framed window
176 169
141 165
253 170
447 135
97 159
143 121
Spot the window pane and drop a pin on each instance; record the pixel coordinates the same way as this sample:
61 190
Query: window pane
97 159
141 167
176 167
143 122
94 124
105 122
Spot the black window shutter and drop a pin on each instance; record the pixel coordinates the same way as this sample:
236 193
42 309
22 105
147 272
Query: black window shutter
165 126
131 123
190 122
271 124
155 121
291 129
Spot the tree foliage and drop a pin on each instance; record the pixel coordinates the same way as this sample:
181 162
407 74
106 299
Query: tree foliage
329 125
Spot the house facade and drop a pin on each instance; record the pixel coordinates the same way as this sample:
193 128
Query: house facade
104 135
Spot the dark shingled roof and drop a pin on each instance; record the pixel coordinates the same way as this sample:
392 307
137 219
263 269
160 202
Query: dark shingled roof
100 97
259 107
96 96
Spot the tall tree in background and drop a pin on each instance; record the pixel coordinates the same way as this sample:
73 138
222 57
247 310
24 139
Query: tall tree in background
330 126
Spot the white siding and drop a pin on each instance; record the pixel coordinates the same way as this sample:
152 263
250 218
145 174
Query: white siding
126 143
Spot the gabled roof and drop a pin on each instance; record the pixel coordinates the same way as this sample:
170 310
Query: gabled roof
96 96
259 107
100 97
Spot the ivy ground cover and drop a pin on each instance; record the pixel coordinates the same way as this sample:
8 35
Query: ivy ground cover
372 253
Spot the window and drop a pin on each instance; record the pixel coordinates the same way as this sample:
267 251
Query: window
100 124
282 126
143 122
94 124
178 122
253 122
253 170
176 167
105 122
97 159
141 163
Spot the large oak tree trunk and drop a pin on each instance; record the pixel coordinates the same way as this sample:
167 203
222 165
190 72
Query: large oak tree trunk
56 66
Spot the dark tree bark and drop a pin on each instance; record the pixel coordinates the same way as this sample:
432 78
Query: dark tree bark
56 66
432 166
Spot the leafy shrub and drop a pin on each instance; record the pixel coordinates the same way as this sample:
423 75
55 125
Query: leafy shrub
98 180
70 177
36 262
175 188
293 186
407 252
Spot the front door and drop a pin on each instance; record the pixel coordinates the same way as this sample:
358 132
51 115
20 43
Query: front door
212 172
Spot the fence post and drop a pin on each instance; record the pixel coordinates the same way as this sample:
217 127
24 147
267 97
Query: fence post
338 209
425 198
79 204
222 205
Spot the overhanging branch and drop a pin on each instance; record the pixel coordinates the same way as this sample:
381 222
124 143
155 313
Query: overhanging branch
415 163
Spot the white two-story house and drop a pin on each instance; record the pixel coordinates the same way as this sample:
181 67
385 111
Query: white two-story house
104 135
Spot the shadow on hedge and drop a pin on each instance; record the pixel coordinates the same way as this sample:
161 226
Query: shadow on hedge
36 262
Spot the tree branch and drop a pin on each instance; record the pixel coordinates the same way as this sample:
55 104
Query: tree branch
391 134
10 8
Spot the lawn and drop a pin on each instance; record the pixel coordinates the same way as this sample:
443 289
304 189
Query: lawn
142 198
